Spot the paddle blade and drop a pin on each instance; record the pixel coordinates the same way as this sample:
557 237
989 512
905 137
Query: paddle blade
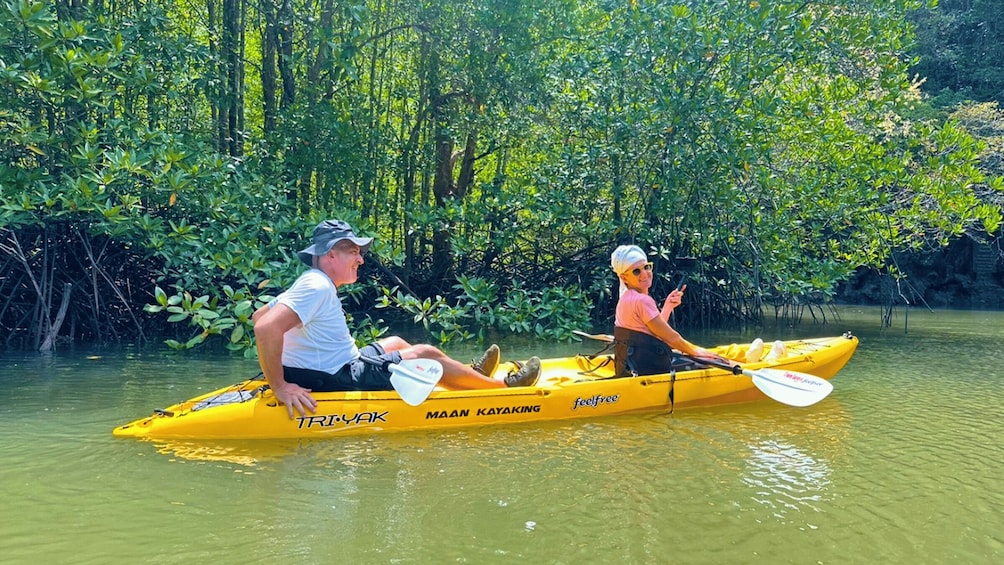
790 387
598 337
414 379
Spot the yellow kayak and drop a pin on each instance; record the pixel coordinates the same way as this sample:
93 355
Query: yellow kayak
569 387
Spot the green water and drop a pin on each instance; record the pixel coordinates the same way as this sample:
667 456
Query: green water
901 464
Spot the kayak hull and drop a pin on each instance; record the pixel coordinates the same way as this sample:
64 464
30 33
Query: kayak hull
570 387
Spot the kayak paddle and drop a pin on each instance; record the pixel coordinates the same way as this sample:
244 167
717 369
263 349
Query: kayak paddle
787 387
413 379
598 337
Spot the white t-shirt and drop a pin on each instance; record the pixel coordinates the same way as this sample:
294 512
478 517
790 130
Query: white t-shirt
322 341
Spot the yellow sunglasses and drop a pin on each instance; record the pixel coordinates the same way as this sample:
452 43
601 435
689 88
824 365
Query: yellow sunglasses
637 271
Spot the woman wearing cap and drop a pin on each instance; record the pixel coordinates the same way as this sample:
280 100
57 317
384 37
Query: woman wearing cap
642 334
304 343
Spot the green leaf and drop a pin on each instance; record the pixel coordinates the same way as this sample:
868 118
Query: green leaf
208 314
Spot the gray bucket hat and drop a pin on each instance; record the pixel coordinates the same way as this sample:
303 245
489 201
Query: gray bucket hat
326 235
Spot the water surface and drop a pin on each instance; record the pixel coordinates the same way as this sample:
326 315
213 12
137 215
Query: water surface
901 464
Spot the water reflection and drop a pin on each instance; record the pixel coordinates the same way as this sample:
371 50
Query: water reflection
783 457
244 453
785 477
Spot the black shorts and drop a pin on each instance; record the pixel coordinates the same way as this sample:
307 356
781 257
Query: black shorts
356 375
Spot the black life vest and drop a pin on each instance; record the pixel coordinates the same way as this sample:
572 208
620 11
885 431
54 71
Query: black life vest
638 353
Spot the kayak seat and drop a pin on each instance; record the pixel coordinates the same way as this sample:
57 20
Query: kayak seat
638 353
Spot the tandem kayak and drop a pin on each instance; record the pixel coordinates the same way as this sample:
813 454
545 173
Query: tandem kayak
569 387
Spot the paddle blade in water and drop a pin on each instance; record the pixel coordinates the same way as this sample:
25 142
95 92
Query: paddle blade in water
790 387
414 379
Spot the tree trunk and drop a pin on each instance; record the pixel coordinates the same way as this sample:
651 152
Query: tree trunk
443 188
286 55
232 64
269 51
48 344
466 179
410 158
323 58
215 93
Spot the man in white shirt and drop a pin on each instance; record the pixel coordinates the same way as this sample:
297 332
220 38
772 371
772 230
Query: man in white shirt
304 343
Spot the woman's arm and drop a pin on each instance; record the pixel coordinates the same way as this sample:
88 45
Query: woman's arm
674 299
663 331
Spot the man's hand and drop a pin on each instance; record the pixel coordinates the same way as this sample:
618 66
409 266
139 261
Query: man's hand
270 329
297 398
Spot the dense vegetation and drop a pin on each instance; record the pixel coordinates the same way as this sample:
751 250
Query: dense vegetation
175 155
